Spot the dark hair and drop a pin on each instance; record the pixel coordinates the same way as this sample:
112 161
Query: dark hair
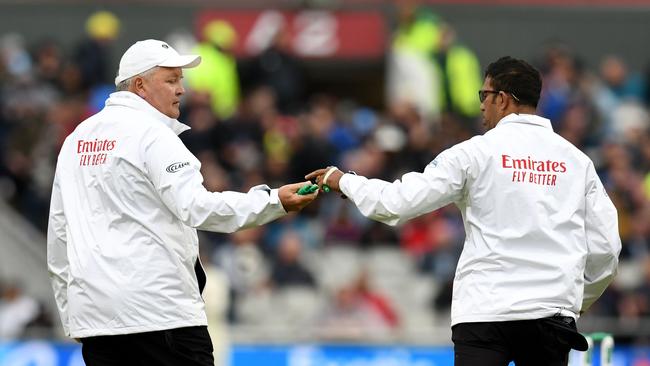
516 77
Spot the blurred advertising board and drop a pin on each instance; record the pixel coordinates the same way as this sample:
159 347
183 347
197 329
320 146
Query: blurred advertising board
309 33
44 353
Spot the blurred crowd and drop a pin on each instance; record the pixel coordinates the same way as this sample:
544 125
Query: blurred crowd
256 121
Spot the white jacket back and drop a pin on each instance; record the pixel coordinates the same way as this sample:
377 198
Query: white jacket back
541 233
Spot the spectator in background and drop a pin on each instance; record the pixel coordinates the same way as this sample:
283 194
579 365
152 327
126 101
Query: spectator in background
217 75
460 76
93 55
243 263
619 97
411 78
625 189
277 68
644 290
288 271
48 63
377 302
622 83
646 84
418 28
17 311
25 138
560 72
216 297
351 316
432 240
314 147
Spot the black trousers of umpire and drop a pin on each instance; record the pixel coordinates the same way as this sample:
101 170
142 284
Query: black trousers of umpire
189 346
540 342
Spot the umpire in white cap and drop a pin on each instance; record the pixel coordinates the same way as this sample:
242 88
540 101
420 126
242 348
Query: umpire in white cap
126 202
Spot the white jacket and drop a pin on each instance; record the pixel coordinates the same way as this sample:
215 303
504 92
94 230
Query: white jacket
541 233
122 243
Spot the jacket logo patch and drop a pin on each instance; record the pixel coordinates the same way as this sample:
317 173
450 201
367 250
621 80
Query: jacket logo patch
529 170
173 168
94 151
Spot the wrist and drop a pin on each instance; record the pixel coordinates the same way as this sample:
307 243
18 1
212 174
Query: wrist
329 172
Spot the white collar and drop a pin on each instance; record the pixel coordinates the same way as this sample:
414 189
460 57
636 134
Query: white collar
526 118
132 100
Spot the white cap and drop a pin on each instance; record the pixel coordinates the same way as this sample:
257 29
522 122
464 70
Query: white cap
147 54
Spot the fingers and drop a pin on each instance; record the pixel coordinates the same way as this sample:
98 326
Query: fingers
297 203
291 200
316 173
294 187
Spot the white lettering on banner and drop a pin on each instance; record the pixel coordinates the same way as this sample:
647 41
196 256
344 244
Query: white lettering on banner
348 34
312 356
316 34
263 31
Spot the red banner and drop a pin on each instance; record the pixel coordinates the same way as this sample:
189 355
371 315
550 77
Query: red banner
310 33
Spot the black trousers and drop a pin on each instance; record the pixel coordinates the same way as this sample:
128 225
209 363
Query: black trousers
540 342
189 346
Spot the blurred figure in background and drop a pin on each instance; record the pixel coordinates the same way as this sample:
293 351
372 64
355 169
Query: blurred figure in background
93 55
26 143
288 271
460 76
17 311
217 75
353 316
622 83
217 302
377 302
277 68
411 77
314 146
243 264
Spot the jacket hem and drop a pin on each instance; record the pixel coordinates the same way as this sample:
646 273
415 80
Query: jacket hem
83 333
478 318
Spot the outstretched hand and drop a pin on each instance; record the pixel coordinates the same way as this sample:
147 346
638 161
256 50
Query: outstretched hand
291 200
332 180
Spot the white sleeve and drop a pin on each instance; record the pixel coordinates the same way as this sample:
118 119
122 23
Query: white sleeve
442 182
176 175
57 256
603 241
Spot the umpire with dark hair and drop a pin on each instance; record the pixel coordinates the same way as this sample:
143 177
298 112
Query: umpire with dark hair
541 240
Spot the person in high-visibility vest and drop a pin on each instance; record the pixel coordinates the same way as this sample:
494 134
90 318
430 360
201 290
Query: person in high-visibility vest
412 79
217 74
460 75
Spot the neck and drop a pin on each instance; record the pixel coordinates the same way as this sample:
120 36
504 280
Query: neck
519 109
522 109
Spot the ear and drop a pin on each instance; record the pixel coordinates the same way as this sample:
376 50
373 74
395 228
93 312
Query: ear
139 87
504 101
